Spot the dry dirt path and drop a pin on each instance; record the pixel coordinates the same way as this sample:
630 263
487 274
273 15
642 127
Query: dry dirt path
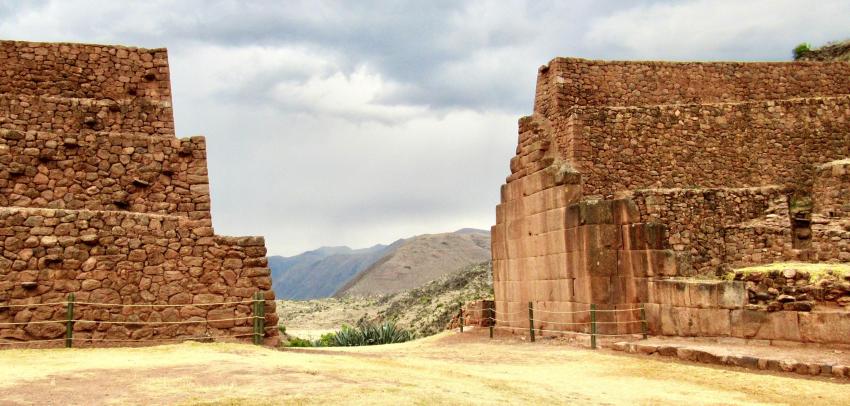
445 369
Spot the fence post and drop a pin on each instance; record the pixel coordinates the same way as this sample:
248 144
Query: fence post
460 316
491 315
531 321
643 323
69 323
491 331
256 315
593 326
261 322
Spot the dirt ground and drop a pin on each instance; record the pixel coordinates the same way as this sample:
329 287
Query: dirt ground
449 368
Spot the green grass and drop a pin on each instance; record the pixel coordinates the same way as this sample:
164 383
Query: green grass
816 271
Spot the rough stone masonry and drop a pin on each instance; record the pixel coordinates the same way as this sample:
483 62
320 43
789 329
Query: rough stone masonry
100 199
631 177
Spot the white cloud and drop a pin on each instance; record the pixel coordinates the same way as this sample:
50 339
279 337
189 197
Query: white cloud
719 29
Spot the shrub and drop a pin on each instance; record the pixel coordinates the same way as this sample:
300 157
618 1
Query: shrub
801 50
282 329
299 342
371 334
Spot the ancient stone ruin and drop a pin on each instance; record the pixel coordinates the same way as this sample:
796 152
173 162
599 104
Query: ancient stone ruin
631 178
100 199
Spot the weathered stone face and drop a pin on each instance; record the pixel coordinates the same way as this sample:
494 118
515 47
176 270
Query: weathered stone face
98 198
630 173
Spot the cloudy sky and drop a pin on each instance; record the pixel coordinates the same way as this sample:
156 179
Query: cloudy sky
360 122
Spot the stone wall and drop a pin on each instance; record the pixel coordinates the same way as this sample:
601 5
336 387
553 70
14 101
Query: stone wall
104 171
696 218
98 198
84 71
704 146
719 309
568 82
125 258
71 115
831 192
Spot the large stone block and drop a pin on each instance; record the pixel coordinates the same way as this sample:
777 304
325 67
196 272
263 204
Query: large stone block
625 211
825 327
590 212
762 325
643 236
599 262
606 236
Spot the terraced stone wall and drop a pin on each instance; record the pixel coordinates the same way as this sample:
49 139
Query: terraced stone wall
125 258
104 171
569 82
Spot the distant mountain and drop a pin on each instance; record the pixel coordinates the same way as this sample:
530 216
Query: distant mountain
321 272
419 260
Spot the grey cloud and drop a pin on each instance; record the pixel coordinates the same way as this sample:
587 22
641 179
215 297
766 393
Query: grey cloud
423 144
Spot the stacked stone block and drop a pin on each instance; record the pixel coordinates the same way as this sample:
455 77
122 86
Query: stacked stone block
100 199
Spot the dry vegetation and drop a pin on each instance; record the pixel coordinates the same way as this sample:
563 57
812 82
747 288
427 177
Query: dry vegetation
816 271
445 369
424 310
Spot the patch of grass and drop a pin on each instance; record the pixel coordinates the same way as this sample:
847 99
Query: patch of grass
816 271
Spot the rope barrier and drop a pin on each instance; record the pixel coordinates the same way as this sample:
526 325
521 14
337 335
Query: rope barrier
33 304
131 322
126 341
161 305
554 312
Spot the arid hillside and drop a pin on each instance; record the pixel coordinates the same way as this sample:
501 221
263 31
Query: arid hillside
425 310
420 260
321 272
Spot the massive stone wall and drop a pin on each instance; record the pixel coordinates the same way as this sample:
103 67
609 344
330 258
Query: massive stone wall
98 198
632 175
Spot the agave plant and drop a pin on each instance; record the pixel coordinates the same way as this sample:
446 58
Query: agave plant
371 334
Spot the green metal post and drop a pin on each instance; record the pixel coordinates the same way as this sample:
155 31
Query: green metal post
460 316
491 331
256 315
643 323
593 326
69 323
261 328
531 321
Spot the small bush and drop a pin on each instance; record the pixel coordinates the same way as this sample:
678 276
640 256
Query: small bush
282 329
801 50
299 342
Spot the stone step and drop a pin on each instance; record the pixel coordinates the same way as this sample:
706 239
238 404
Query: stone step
74 115
104 171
